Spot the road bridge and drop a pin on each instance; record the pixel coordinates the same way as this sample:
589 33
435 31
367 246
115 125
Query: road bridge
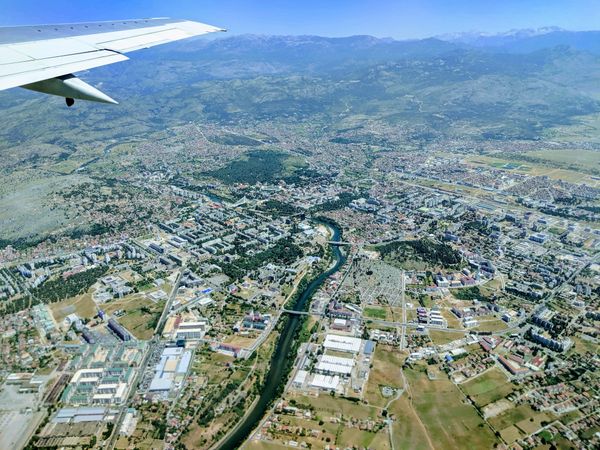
300 313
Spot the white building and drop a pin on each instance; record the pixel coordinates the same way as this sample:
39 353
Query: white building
325 382
335 365
191 330
470 322
129 423
300 379
170 371
342 343
100 392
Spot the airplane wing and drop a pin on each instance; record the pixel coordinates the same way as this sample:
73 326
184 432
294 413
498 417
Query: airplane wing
43 58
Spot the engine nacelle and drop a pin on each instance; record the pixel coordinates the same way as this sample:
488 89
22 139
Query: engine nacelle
70 87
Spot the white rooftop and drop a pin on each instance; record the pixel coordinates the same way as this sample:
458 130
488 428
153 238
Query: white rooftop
335 364
160 384
342 343
325 381
300 377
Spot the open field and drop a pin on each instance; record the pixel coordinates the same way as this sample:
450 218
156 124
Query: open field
140 314
385 372
331 432
451 319
443 337
533 423
239 341
582 128
376 313
25 195
571 416
327 406
328 410
492 325
212 365
448 187
441 407
364 439
488 388
511 434
581 346
491 287
82 305
517 414
585 158
146 435
408 430
553 164
218 373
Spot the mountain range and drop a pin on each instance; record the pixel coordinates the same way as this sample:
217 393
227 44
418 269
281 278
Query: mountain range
510 86
528 40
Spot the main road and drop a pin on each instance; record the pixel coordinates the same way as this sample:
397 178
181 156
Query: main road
110 443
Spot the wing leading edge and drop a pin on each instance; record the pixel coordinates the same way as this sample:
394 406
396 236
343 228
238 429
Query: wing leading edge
43 58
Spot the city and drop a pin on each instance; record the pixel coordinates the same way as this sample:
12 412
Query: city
290 237
448 280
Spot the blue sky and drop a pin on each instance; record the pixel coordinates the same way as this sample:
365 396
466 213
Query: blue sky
400 19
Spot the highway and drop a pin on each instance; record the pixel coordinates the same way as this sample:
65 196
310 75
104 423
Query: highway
110 444
403 301
167 308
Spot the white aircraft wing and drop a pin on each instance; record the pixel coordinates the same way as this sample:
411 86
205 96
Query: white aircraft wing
43 58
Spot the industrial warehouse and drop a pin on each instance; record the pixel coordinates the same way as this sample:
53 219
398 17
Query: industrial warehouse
326 370
169 372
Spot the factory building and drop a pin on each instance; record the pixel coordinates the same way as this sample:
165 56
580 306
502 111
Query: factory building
170 371
191 330
82 415
340 343
177 328
325 382
300 379
98 386
334 365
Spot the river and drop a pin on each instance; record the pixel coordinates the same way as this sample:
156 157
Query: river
277 373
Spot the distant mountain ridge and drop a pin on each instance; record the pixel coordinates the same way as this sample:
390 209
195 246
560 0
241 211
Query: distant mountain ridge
482 37
528 40
283 54
516 89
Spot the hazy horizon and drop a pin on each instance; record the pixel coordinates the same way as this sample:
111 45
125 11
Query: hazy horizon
401 20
